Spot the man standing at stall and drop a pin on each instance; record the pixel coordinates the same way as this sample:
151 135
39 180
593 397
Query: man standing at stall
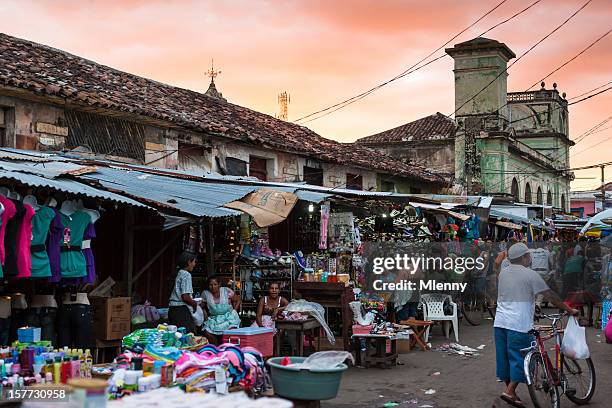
517 289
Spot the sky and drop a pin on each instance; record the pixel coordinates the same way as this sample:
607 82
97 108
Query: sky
324 51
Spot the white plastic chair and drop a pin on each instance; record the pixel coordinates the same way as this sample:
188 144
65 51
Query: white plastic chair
433 310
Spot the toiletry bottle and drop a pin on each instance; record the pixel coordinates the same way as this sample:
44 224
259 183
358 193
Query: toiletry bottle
75 365
66 370
57 370
88 363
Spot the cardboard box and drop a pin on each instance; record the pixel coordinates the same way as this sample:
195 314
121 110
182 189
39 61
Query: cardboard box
111 317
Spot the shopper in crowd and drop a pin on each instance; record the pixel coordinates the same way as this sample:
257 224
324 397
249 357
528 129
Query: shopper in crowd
181 303
517 289
573 273
269 306
221 304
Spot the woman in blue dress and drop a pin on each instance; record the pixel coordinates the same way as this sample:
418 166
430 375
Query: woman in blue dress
221 305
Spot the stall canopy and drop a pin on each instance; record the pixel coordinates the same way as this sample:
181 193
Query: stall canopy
601 221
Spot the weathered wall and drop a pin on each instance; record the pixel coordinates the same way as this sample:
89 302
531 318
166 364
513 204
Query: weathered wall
436 155
39 126
474 72
499 167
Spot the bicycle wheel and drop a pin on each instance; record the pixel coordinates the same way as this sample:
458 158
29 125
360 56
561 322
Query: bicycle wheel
542 392
580 376
491 305
472 305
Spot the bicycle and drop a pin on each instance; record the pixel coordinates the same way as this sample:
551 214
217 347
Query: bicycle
544 380
474 303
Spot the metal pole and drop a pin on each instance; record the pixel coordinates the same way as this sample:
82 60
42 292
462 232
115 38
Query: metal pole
603 189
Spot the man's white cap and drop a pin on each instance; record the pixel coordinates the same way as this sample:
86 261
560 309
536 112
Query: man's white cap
517 250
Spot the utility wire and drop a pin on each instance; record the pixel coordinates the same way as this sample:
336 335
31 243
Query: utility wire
412 69
595 145
540 41
572 103
592 90
592 130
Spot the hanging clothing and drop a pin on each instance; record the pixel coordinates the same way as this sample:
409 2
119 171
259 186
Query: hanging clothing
73 264
221 315
54 242
90 233
24 241
10 239
9 212
41 224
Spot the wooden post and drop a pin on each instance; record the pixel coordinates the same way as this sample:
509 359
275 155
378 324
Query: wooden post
128 245
210 246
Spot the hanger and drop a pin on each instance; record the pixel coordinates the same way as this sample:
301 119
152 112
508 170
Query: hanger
31 200
51 202
93 214
14 195
68 207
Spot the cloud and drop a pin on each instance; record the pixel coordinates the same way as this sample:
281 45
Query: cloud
324 51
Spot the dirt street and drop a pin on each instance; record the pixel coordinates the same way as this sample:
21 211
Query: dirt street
463 381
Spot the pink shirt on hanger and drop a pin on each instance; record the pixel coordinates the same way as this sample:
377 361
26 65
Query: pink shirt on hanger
9 212
24 241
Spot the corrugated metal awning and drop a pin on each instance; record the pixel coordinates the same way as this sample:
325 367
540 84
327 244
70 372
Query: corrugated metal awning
68 186
200 199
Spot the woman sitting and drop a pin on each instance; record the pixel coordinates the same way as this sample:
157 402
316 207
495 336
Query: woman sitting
221 306
269 306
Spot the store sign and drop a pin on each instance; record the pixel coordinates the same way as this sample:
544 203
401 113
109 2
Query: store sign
50 129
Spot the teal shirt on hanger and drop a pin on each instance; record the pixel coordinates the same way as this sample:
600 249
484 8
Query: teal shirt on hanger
73 264
41 222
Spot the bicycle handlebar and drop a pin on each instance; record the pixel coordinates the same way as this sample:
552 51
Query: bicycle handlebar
553 316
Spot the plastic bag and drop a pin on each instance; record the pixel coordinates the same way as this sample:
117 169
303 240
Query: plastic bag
313 309
198 316
327 359
574 343
149 312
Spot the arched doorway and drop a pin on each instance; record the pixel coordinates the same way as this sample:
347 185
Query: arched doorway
539 198
549 198
515 189
527 193
563 202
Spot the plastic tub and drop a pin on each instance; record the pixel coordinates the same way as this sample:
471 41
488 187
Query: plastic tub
303 384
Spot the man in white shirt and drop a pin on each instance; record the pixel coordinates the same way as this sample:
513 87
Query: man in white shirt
517 288
541 262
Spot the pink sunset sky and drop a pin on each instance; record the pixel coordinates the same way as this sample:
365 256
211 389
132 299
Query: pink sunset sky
323 51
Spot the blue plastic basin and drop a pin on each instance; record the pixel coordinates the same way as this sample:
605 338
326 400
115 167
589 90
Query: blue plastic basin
304 384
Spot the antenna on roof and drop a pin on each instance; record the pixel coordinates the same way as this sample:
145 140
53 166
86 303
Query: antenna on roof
283 101
211 73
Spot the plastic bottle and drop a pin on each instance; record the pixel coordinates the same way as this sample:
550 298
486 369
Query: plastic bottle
57 370
88 363
75 367
66 370
48 367
38 365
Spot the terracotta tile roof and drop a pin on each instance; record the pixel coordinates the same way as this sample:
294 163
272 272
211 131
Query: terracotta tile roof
433 127
43 70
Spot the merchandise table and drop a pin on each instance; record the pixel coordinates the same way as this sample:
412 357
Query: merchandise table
299 326
379 355
329 295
